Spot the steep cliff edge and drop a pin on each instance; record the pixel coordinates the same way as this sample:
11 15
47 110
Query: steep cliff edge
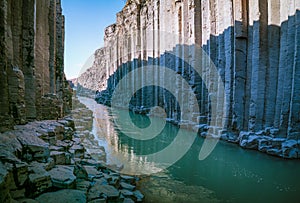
254 46
32 80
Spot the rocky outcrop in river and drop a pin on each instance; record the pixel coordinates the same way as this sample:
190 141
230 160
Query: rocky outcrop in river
32 80
254 46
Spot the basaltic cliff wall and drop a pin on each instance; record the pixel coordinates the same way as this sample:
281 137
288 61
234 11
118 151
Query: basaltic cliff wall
32 80
253 44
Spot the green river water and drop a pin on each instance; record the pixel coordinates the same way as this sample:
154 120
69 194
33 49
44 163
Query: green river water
228 174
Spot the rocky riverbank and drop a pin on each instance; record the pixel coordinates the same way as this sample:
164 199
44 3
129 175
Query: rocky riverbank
44 160
266 141
253 88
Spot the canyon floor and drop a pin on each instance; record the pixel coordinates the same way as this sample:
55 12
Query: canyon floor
44 160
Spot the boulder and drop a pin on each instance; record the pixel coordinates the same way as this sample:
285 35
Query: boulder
4 189
68 134
138 195
99 191
63 196
251 142
80 171
127 186
39 180
264 145
33 147
128 200
274 152
126 193
60 158
83 185
93 172
21 173
102 200
49 165
290 149
77 150
10 143
65 144
115 181
63 177
7 156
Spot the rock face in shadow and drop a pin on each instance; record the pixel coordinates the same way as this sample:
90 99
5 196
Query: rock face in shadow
253 45
32 80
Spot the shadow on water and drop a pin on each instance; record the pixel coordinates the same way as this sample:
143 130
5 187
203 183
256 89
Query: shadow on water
229 174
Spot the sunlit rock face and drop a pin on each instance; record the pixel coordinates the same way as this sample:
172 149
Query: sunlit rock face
31 58
95 77
254 46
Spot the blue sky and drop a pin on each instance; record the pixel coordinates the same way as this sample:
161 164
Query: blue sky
84 29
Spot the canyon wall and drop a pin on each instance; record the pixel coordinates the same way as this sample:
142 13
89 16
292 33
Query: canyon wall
95 77
32 80
254 46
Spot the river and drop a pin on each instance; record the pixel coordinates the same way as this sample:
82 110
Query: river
228 174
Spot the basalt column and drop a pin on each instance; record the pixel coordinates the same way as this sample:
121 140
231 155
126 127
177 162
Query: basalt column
27 57
253 45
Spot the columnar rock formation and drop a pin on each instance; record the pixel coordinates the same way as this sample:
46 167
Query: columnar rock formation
95 77
253 44
32 81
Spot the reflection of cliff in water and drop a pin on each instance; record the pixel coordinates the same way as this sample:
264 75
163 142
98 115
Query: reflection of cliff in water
190 179
83 120
254 46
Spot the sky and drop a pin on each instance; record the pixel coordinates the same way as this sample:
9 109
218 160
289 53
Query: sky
85 21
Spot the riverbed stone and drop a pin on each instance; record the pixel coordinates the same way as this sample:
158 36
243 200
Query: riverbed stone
63 196
37 148
264 145
274 152
63 177
128 179
49 164
61 158
251 142
4 189
99 191
126 193
65 144
56 148
92 162
21 173
83 185
93 172
127 186
80 171
68 133
290 149
39 180
138 195
128 200
8 156
77 150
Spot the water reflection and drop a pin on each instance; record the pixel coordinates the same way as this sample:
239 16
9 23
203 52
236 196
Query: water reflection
229 174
